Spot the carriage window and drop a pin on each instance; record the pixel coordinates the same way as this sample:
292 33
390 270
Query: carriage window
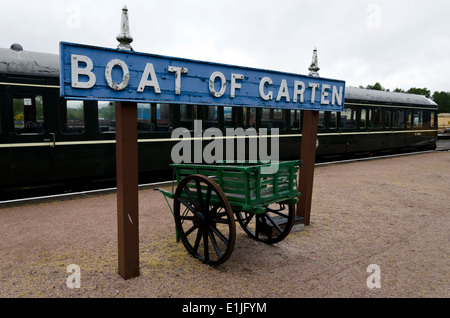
321 123
107 117
272 118
408 119
418 119
210 118
28 114
375 115
228 116
398 118
154 117
163 118
363 122
188 113
432 117
348 118
249 117
331 120
387 119
265 115
278 118
72 117
144 118
295 119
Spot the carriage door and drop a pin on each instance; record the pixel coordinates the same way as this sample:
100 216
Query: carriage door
30 136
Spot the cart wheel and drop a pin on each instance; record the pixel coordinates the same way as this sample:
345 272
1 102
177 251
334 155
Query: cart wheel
204 219
270 227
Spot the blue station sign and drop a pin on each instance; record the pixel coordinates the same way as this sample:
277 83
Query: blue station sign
89 72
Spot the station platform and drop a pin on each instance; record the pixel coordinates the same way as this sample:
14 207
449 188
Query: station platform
393 213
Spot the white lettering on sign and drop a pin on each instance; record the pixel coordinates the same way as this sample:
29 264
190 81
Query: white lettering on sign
337 96
223 84
178 71
125 77
235 85
313 92
153 82
77 71
298 91
262 84
83 77
323 101
283 91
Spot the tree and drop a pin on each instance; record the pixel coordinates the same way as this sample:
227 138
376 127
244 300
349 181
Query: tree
419 91
108 111
399 90
377 86
443 101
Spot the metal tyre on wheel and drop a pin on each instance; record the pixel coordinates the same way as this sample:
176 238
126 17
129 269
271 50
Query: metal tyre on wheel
204 219
269 227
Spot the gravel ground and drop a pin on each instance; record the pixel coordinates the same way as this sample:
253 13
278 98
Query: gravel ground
390 212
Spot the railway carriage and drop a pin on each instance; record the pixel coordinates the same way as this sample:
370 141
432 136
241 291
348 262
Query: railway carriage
49 141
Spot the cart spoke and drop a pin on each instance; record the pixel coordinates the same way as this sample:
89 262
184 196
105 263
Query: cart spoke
186 218
258 219
197 241
186 204
215 208
248 218
221 218
219 234
266 227
221 221
214 244
192 229
221 214
191 196
205 245
273 223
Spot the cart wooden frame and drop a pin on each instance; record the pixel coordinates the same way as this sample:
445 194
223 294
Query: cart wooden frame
208 200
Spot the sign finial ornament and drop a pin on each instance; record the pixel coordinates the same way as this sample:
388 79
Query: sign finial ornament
124 37
314 68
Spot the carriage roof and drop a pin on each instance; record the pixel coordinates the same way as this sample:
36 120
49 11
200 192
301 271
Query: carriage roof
29 63
369 95
46 64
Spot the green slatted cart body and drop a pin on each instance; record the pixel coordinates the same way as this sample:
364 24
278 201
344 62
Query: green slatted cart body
208 196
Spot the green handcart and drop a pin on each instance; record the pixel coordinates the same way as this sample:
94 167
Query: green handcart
209 198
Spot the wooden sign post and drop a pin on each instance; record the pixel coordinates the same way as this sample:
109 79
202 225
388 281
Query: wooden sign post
127 189
127 170
308 157
308 153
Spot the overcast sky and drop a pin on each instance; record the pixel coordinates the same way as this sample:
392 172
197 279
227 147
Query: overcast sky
399 43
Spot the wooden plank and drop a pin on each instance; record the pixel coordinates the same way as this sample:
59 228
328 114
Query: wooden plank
308 156
127 189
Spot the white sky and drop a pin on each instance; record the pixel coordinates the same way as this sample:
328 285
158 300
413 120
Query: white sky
399 43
